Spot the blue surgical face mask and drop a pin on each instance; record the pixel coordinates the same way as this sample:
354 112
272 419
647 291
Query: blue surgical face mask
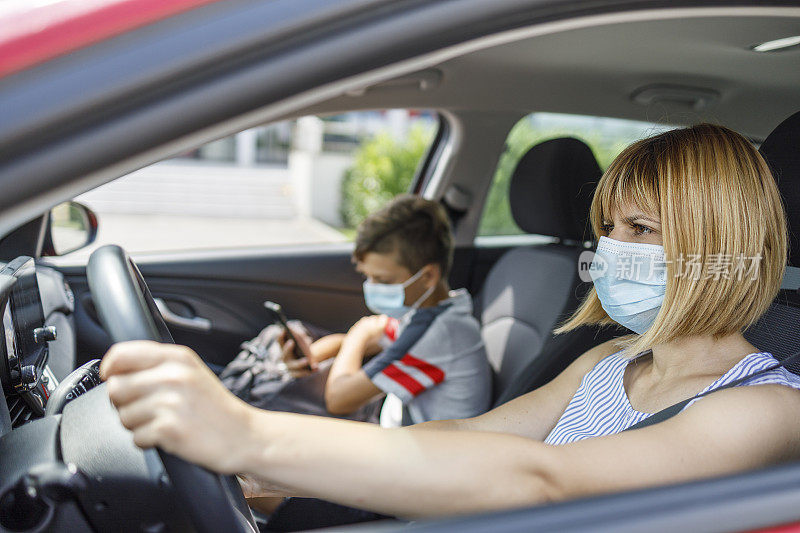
630 280
389 298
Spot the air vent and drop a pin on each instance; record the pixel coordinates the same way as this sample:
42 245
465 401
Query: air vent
19 410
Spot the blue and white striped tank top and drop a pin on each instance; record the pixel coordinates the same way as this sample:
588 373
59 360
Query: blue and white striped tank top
600 406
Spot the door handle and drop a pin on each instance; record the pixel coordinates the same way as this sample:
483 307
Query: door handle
197 323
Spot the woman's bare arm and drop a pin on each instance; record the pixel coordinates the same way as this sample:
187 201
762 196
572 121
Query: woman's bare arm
730 431
169 398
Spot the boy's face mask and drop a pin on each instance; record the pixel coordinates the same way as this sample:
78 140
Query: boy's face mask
389 298
630 280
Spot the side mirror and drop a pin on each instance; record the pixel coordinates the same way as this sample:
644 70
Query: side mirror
72 226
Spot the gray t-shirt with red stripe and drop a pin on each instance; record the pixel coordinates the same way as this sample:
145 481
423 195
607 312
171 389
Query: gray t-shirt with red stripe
433 363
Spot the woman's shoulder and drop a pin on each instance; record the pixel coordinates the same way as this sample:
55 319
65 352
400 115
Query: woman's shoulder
775 394
608 350
770 384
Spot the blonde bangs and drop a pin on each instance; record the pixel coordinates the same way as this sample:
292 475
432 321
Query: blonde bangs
630 180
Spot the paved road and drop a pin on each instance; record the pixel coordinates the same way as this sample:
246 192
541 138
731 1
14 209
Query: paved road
156 233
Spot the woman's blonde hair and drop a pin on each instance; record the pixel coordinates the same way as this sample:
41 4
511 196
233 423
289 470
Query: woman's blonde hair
719 207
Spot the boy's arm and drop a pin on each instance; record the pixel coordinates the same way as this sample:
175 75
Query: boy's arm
323 348
326 347
348 386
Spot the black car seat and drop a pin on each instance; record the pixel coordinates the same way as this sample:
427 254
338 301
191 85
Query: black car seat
530 289
778 331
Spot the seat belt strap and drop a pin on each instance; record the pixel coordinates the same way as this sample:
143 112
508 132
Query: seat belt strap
673 410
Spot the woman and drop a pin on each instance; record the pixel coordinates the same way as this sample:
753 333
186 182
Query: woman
699 195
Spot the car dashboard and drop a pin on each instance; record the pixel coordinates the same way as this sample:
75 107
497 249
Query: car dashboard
37 347
65 465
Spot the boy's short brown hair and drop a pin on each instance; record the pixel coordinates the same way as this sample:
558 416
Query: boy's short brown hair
416 228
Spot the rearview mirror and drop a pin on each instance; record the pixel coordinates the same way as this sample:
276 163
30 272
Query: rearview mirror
72 226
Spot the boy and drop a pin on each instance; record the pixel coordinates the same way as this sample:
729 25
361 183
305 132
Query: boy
429 357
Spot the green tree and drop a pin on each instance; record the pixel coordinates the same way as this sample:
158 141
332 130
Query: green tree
383 168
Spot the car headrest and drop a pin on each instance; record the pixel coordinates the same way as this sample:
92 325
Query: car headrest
781 149
551 189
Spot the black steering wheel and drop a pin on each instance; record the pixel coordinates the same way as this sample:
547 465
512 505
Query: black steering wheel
127 311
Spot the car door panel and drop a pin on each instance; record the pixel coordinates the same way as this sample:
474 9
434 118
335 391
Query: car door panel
228 288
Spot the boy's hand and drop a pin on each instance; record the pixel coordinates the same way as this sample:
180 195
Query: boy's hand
169 398
369 329
302 337
297 367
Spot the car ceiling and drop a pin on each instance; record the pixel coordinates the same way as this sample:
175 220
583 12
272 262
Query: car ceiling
596 70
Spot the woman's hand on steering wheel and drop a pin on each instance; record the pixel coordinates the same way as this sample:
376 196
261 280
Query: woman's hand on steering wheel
168 398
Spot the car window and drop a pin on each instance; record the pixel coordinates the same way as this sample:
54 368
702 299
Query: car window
606 137
305 181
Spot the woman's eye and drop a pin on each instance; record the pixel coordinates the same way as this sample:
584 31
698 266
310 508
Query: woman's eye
641 230
607 228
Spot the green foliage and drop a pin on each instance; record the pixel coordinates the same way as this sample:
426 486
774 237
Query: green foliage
497 219
383 168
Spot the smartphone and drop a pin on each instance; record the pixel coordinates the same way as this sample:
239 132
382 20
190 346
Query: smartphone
277 313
